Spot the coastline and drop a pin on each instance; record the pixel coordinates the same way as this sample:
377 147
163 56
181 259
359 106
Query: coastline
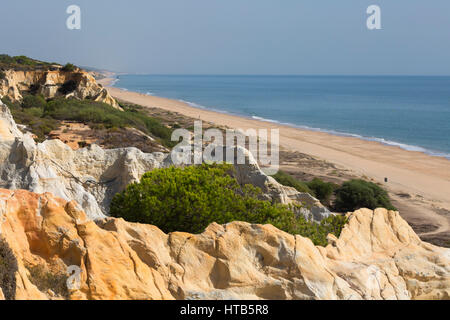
420 175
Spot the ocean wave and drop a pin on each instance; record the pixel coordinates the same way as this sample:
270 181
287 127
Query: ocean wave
114 82
195 105
266 120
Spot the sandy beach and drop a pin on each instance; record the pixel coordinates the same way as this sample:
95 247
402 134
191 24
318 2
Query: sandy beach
424 178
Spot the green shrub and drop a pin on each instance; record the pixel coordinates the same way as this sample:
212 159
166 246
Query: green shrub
34 101
322 190
333 225
189 199
287 180
33 118
8 269
34 112
101 115
12 105
24 60
69 67
21 63
357 194
43 117
2 75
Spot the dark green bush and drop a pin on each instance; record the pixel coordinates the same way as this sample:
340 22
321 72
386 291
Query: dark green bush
357 194
69 67
8 269
34 101
189 199
289 181
322 190
2 75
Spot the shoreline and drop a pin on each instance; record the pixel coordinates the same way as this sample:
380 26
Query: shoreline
110 82
418 183
413 171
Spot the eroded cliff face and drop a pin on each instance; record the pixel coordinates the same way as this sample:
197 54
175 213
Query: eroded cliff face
378 256
48 83
92 176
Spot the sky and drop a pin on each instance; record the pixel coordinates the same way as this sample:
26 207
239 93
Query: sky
308 37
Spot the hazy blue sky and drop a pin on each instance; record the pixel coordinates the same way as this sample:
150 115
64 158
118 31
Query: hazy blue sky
234 36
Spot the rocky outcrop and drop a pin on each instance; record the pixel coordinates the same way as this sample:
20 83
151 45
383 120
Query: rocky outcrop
49 82
92 176
250 173
8 127
378 256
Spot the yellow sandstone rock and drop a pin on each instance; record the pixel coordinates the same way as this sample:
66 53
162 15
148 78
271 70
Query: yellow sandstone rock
377 256
48 83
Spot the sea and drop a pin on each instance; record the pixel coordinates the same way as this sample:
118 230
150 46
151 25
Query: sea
410 112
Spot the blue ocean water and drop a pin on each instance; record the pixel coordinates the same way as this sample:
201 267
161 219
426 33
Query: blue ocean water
409 112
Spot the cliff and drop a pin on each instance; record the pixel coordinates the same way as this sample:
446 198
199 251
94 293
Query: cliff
49 84
378 256
92 176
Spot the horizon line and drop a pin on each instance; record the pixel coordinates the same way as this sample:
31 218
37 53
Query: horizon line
278 75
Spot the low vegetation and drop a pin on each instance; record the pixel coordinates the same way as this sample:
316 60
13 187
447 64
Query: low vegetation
31 114
102 115
189 199
46 280
22 63
322 190
289 181
8 268
69 67
34 101
42 117
352 195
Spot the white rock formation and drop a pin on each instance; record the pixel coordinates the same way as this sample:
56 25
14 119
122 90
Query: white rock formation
8 127
92 176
